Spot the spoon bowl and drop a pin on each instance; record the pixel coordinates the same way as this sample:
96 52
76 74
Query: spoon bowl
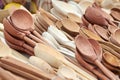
22 20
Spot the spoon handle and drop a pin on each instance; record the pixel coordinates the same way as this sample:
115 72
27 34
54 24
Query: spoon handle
28 47
29 41
105 70
39 36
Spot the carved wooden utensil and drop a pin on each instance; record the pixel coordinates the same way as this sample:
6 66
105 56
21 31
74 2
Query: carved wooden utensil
100 17
111 59
115 13
115 38
11 30
17 42
26 24
86 49
70 26
88 66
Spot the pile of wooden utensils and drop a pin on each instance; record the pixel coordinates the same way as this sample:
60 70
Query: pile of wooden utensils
88 36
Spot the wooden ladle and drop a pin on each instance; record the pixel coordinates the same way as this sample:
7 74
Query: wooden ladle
86 49
11 30
100 17
88 66
23 21
102 32
111 59
19 48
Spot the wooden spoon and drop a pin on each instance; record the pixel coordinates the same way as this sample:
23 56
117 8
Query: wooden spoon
111 59
74 17
71 27
26 24
17 42
111 50
100 17
91 34
88 66
19 48
115 39
115 13
97 48
85 21
102 32
87 51
11 30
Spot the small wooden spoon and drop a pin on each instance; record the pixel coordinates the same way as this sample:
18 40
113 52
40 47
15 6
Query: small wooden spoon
74 17
71 27
115 13
102 32
115 38
111 59
11 30
88 52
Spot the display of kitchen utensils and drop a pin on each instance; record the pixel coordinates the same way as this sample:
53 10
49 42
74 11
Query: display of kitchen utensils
85 31
19 32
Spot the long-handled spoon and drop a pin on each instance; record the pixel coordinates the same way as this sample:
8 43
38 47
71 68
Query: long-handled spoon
17 42
9 28
85 47
89 67
26 24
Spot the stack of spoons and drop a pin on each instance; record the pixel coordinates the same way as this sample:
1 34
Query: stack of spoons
19 31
